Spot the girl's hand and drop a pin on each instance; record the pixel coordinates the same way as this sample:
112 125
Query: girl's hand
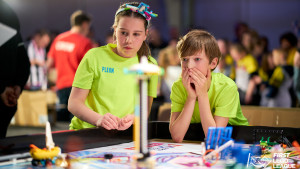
126 122
187 83
201 82
108 121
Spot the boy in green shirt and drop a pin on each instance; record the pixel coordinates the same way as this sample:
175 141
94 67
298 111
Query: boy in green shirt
200 95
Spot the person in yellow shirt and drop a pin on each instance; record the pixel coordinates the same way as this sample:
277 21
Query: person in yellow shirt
288 42
246 67
279 82
226 63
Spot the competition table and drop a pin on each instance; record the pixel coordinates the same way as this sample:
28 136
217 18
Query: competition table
70 141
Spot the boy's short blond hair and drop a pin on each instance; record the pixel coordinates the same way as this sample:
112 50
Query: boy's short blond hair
198 40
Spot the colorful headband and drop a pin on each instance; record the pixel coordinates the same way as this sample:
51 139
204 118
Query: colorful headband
142 9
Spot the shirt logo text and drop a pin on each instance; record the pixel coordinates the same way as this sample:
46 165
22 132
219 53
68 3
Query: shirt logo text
108 70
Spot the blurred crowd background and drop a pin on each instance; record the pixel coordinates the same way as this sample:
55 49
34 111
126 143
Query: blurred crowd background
259 40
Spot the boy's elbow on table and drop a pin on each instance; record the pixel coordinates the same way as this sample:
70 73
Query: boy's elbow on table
177 139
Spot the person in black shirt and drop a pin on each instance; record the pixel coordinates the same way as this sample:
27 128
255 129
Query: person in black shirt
14 68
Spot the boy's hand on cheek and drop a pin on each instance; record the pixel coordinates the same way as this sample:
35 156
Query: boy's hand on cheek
200 81
186 80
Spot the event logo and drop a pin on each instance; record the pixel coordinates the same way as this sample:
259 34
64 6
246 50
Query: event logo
279 160
258 162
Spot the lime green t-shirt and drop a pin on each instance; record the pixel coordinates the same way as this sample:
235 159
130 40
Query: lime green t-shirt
111 91
223 98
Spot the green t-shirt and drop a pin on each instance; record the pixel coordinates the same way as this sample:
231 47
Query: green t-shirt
101 71
223 98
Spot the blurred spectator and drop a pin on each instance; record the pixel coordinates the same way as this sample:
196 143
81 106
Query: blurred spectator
265 42
53 35
37 55
267 68
248 40
168 56
277 91
169 60
65 54
239 29
297 75
246 67
226 63
155 42
260 48
288 42
261 80
14 65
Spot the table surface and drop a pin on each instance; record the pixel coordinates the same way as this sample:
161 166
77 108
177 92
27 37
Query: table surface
80 140
164 154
